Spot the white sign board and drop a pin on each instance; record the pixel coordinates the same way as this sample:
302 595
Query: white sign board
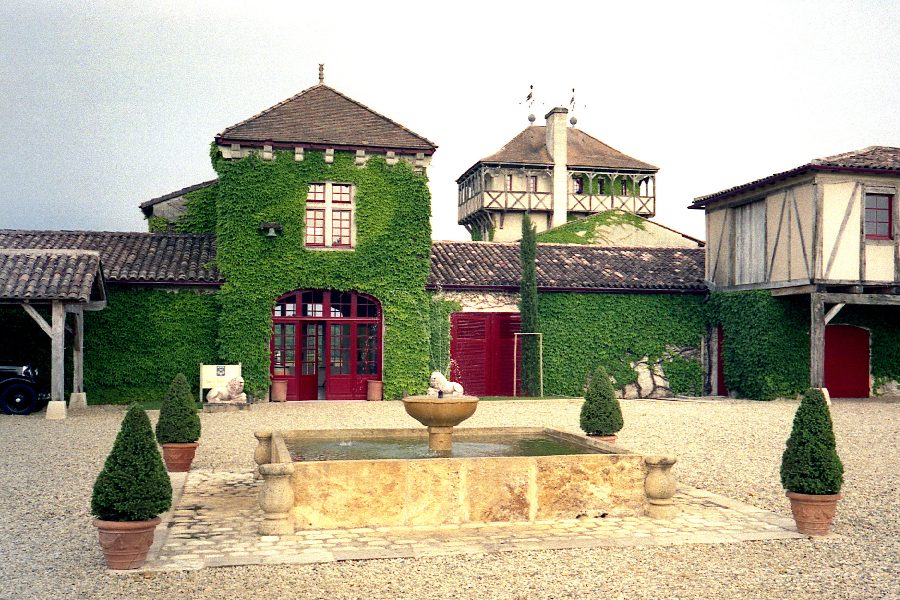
212 376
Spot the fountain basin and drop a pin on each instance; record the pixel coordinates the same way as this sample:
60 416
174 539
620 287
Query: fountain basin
440 416
331 494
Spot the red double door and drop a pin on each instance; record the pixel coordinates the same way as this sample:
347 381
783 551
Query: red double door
326 344
482 352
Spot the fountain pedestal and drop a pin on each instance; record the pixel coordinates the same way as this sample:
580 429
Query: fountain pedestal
440 416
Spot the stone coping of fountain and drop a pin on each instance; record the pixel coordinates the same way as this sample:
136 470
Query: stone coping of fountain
456 490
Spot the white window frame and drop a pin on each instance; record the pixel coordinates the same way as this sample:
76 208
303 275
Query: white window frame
330 207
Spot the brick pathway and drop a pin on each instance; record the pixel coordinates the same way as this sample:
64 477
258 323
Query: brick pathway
215 519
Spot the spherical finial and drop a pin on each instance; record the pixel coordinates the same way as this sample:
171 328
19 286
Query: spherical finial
573 121
531 118
321 72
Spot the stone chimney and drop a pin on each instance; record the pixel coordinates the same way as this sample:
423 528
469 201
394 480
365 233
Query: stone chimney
557 145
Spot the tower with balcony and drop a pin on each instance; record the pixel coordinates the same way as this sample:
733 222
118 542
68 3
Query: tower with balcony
556 173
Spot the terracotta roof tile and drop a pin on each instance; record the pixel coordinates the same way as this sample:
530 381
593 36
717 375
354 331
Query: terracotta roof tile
177 258
42 275
321 115
576 267
871 159
530 147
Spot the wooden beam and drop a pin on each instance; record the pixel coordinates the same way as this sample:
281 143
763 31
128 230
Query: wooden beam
78 353
833 311
38 319
791 291
816 341
870 299
57 363
840 234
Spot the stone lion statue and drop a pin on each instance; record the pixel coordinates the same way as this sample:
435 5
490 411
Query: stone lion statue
439 383
232 392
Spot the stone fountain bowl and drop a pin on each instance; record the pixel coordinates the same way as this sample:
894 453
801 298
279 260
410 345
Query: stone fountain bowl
448 411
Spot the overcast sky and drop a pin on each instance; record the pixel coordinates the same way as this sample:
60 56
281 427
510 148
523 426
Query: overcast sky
105 105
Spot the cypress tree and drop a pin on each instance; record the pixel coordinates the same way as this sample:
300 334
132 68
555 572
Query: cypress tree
600 413
134 484
810 464
530 365
178 422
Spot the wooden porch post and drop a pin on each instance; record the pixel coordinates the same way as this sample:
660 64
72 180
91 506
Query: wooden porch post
78 399
816 341
56 409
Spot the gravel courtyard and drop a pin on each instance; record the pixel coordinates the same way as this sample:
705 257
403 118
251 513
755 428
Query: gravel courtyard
49 549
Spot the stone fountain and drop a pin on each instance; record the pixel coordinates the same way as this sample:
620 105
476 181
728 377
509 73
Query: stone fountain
440 410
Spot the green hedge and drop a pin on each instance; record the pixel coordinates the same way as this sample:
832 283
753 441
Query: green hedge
584 231
582 331
142 339
390 261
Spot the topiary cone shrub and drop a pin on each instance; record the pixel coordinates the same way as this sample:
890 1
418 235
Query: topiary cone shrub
811 470
178 428
601 414
178 422
130 492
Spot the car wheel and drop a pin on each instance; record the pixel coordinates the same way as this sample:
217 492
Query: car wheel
18 399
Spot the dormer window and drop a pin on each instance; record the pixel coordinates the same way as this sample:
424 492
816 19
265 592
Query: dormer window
329 215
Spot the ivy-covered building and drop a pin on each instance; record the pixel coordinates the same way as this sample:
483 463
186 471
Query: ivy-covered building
309 260
804 270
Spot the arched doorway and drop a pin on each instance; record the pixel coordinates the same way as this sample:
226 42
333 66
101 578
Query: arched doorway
847 361
326 344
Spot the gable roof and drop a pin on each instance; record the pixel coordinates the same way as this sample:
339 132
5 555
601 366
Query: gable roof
322 116
567 267
186 190
530 148
873 159
46 275
128 257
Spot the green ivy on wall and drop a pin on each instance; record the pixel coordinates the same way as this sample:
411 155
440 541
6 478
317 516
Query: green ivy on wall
766 343
156 224
586 230
685 375
390 261
135 346
199 211
612 330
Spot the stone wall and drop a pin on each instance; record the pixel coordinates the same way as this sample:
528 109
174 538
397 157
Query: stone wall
651 378
483 301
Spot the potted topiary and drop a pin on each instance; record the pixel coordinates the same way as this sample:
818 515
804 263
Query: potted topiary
178 428
130 493
811 471
601 415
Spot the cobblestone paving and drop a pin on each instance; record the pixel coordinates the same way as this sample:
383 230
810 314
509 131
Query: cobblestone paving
215 520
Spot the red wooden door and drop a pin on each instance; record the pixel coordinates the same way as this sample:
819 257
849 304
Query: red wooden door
481 352
847 361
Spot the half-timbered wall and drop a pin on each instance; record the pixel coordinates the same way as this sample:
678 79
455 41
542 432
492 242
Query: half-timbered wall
803 231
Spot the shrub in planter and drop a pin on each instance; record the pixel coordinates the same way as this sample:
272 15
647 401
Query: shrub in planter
178 428
601 414
130 492
811 470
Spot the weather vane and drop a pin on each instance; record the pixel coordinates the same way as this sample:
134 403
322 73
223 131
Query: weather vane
529 100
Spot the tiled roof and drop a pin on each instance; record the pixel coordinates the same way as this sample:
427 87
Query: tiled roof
42 275
874 159
177 193
474 265
173 258
530 147
323 116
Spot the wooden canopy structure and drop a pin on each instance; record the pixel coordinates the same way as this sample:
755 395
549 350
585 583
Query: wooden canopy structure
68 282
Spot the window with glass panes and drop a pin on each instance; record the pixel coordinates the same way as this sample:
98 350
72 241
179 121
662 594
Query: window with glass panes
878 217
329 215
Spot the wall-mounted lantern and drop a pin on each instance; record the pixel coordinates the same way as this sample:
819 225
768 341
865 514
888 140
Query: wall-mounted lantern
271 229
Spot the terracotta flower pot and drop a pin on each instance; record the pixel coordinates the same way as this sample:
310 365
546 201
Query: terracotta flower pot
178 457
125 543
813 513
279 390
609 439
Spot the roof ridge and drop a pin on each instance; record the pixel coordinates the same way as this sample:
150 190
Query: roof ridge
376 113
60 251
271 108
118 233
